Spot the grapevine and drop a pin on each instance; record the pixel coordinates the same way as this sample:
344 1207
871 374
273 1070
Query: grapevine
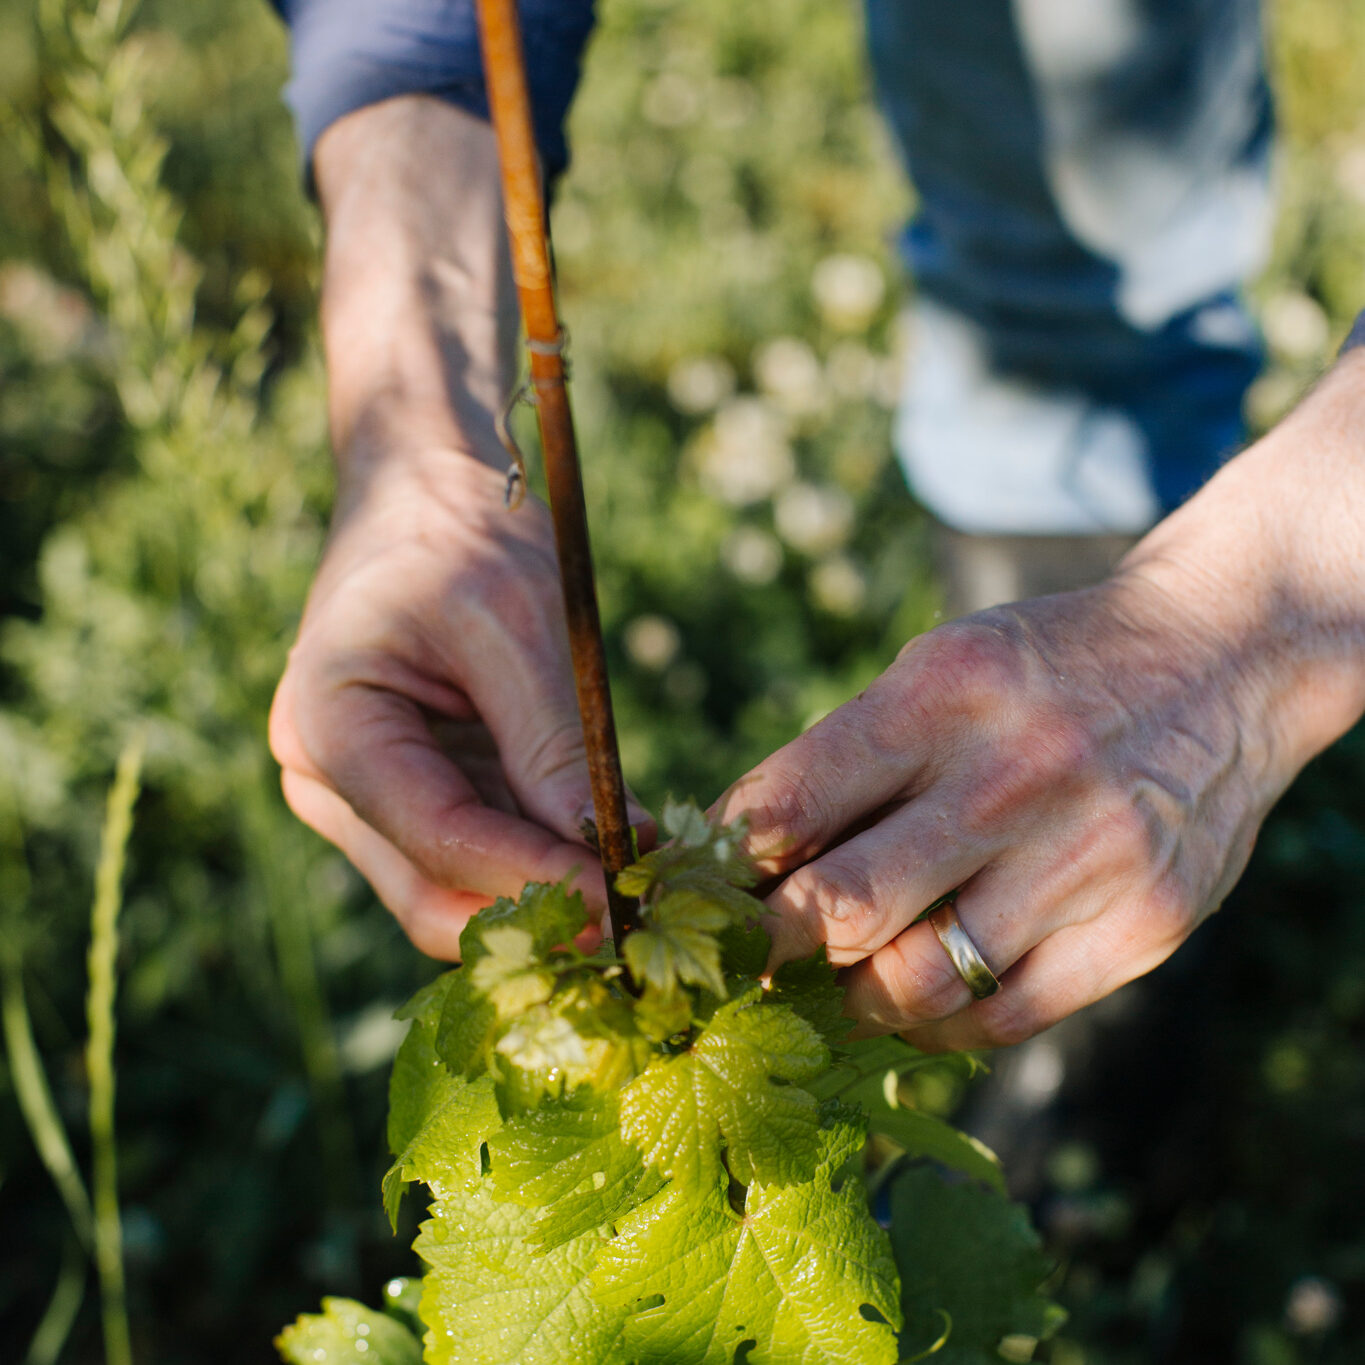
675 1175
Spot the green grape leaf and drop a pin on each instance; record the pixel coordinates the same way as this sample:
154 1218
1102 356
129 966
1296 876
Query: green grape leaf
348 1333
662 1014
738 1083
489 1299
971 1254
418 1074
677 943
811 988
547 916
686 822
567 1161
445 1151
543 1041
924 1135
428 1002
553 915
791 1275
860 1067
607 1025
744 950
511 973
704 857
469 1020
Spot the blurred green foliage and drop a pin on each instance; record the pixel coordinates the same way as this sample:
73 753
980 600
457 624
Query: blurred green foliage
722 238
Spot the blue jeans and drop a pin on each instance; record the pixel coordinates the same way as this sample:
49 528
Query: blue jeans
1093 182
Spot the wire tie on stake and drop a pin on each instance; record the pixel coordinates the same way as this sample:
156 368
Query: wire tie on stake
514 494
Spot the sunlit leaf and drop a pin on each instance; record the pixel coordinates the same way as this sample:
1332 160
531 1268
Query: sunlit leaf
489 1298
738 1085
445 1151
567 1161
790 1276
348 1333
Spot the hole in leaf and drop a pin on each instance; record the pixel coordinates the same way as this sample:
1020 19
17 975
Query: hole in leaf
742 1351
485 1159
653 1301
738 1196
852 1167
870 1313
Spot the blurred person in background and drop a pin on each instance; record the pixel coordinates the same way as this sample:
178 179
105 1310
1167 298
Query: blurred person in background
1088 767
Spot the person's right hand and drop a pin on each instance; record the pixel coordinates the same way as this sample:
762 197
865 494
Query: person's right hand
427 723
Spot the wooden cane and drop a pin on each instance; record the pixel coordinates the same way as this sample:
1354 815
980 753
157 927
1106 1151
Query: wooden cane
524 205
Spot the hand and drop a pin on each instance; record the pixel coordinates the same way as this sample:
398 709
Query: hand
427 723
1090 769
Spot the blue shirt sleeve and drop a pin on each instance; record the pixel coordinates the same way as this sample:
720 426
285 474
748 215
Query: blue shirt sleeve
349 53
1356 336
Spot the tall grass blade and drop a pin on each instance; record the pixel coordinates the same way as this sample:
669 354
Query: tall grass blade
99 1053
35 1099
62 1308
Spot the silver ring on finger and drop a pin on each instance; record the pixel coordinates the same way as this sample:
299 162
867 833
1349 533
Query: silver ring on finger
962 952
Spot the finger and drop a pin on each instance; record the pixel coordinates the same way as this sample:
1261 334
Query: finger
1060 872
547 772
523 691
858 758
858 896
472 749
432 916
1069 970
375 750
1005 911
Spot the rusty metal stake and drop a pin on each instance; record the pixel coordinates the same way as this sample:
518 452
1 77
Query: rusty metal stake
524 201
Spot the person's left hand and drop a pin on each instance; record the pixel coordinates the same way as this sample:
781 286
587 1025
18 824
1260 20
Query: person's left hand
1090 769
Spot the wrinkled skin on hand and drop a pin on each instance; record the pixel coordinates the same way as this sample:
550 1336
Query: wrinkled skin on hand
1088 768
426 723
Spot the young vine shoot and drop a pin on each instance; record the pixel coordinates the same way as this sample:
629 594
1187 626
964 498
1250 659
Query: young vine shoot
675 1174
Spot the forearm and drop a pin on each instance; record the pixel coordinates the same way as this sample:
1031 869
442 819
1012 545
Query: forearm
1269 561
419 312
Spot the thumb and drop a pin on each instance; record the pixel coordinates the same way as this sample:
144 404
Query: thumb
545 762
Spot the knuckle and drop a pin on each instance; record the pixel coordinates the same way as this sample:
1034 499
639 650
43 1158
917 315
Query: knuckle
280 734
928 988
843 897
964 666
783 810
426 916
1008 1023
1168 913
